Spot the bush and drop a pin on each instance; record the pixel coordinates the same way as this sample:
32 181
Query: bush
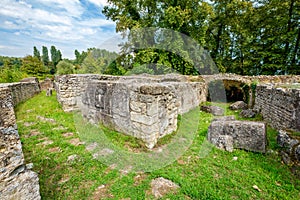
64 67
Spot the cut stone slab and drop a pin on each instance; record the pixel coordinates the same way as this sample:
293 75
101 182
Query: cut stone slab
238 105
161 186
246 135
215 110
224 142
249 113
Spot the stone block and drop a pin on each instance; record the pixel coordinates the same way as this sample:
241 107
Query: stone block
245 134
215 110
249 113
238 105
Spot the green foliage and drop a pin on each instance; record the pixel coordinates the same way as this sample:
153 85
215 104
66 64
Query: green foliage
10 75
56 56
65 67
79 57
100 61
33 67
36 53
45 56
243 37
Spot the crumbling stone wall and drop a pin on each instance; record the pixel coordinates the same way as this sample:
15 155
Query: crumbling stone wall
145 107
17 181
127 103
280 106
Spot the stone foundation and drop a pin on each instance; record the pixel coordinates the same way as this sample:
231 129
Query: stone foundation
145 107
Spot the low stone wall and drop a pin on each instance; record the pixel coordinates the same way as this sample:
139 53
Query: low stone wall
145 107
280 106
17 181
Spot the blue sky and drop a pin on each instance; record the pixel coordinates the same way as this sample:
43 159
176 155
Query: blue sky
67 24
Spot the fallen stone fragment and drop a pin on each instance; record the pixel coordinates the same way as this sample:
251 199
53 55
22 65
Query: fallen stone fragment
72 158
69 134
76 142
91 146
249 113
215 110
246 135
27 124
238 105
161 186
44 119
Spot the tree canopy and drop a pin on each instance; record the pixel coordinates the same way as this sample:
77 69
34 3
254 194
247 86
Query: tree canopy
247 37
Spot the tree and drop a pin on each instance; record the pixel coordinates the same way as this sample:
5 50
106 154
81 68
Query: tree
188 17
45 56
249 37
56 56
33 66
36 53
64 67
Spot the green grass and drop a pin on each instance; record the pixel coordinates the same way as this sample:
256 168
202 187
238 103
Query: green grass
203 172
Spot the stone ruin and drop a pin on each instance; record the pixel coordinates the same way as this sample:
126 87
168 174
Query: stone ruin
17 181
147 107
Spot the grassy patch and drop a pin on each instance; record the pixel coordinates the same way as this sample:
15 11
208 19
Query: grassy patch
202 172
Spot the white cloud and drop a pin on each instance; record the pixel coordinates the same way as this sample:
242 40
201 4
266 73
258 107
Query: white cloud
72 7
63 23
99 2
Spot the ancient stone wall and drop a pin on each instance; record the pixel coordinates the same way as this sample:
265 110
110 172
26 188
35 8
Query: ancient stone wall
145 107
17 181
46 84
280 106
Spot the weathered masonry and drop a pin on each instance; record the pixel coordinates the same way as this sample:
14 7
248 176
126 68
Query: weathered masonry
145 107
279 105
16 180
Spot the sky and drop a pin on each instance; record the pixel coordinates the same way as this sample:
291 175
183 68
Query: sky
66 24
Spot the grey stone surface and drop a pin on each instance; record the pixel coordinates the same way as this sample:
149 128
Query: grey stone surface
297 153
145 107
283 139
291 147
238 105
249 113
245 134
161 187
215 110
279 106
224 142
